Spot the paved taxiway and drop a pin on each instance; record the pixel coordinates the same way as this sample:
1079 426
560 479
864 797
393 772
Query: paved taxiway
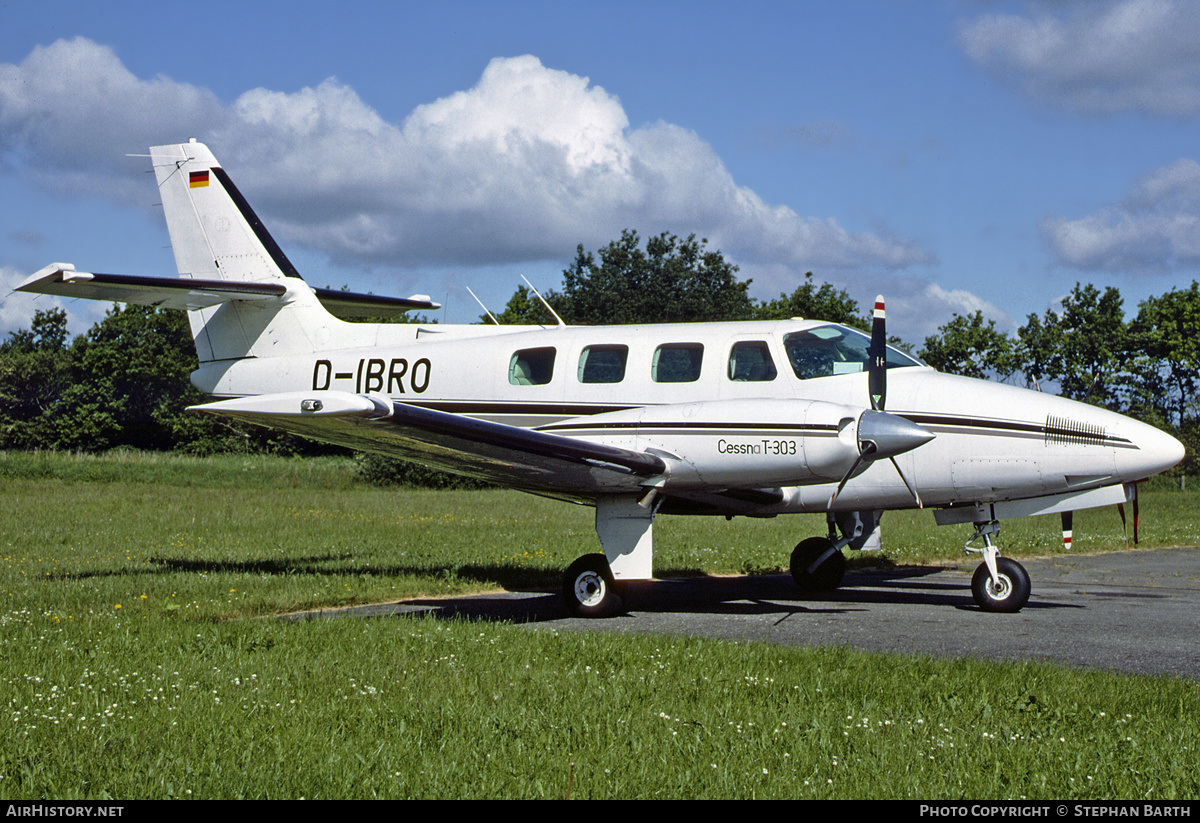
1136 611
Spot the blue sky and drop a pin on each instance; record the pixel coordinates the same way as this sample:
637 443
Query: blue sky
952 154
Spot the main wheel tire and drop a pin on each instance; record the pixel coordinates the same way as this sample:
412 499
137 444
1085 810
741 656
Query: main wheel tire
589 589
826 577
1012 592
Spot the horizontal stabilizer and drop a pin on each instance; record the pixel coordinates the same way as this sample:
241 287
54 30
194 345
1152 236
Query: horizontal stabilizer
61 280
348 304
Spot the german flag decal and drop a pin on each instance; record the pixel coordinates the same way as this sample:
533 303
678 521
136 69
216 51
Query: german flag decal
198 179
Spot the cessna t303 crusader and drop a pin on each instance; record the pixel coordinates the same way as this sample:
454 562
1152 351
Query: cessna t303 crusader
753 419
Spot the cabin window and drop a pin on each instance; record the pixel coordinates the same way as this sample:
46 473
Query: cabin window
531 367
603 364
830 350
677 363
751 362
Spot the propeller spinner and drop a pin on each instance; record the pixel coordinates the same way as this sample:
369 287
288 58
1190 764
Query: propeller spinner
881 434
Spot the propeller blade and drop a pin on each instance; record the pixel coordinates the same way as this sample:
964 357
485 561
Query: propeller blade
1135 514
1124 525
1068 533
867 449
877 369
911 489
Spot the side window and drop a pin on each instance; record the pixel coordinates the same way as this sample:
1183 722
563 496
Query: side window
603 364
677 363
751 362
531 367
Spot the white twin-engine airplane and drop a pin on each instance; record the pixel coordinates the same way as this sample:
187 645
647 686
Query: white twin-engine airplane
755 419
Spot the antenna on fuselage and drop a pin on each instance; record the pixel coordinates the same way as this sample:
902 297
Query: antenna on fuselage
485 308
561 324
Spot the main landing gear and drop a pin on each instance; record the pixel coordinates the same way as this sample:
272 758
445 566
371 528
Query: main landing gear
594 584
589 589
817 564
1000 584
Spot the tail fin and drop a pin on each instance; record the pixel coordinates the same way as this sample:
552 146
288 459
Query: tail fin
217 236
243 296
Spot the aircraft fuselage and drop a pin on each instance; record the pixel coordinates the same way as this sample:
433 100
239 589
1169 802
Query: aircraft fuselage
614 385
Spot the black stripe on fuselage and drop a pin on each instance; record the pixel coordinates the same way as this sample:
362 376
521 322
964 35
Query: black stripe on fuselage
1010 428
934 422
260 231
554 409
649 427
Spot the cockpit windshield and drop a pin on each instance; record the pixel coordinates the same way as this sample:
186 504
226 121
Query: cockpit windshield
829 350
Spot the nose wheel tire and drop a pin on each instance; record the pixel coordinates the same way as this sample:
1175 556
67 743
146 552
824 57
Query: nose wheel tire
1009 594
824 578
589 589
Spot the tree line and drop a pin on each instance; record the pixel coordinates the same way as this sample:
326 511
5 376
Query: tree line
124 383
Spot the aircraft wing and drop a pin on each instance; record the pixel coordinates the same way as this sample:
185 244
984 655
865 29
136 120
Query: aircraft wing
61 279
495 452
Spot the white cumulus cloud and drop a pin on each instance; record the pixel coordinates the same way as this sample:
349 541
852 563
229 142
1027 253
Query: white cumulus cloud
71 111
523 166
1154 229
1099 56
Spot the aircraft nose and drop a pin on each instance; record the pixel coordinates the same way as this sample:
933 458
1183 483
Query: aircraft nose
1156 451
891 435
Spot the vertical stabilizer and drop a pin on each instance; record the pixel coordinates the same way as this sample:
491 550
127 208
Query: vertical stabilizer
217 236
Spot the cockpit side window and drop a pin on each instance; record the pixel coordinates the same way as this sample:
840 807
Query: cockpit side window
751 362
830 350
531 367
603 364
677 363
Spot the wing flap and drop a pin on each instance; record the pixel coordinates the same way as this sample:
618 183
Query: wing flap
495 452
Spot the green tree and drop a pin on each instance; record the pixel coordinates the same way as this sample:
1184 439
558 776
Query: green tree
130 382
669 281
524 309
1165 345
125 383
968 346
1083 349
47 332
810 302
35 370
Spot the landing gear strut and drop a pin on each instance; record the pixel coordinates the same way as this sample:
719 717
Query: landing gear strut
1000 584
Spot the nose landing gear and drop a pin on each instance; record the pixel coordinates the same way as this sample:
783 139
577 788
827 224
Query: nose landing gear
1000 584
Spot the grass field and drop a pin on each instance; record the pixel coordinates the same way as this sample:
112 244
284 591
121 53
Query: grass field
133 667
